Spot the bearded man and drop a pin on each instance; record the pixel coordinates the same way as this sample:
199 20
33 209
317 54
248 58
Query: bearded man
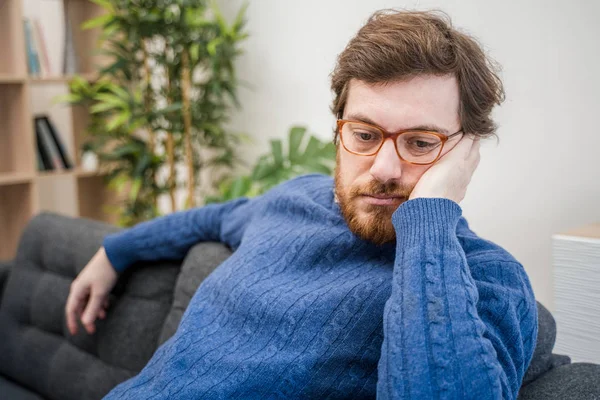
369 284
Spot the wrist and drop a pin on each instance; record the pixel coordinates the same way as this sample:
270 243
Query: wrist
430 220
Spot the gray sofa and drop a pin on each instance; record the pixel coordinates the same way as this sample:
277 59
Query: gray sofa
40 360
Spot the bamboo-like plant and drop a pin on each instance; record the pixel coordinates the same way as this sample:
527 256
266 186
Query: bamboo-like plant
279 165
162 100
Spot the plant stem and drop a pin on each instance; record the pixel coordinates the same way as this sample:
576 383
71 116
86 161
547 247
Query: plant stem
171 156
187 125
147 106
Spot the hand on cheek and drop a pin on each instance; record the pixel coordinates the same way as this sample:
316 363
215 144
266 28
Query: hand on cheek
451 174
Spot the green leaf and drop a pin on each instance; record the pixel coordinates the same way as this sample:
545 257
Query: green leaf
117 121
110 99
240 18
328 151
263 169
135 189
212 46
295 137
96 22
67 98
101 107
277 152
312 148
194 53
240 187
318 167
120 92
104 4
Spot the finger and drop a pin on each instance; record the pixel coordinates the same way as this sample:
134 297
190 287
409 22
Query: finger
91 312
102 313
74 305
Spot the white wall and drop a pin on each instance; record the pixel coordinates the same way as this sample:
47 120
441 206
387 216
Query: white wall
542 178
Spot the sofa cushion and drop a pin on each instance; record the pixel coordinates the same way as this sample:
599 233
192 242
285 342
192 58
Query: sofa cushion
36 349
201 260
13 391
5 267
577 381
543 359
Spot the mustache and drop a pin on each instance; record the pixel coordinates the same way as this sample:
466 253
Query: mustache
379 189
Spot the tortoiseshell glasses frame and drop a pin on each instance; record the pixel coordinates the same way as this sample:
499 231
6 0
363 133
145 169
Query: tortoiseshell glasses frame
394 135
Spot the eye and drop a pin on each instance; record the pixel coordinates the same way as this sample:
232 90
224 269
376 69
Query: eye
366 136
422 144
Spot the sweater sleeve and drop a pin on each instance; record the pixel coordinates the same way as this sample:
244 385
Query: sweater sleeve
453 330
171 236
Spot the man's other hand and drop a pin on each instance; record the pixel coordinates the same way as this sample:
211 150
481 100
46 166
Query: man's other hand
88 297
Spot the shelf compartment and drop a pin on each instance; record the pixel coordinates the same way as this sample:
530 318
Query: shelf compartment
16 208
13 178
85 41
16 137
12 39
95 197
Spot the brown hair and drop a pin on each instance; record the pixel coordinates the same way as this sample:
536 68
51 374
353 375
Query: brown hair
397 45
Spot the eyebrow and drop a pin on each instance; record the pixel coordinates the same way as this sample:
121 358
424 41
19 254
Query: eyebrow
424 127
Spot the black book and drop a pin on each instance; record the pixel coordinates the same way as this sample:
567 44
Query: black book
43 152
56 138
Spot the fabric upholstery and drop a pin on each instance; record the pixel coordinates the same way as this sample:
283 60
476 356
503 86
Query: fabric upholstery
36 349
199 263
570 381
13 391
5 267
543 359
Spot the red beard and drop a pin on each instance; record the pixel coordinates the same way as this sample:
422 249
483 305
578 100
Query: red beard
368 221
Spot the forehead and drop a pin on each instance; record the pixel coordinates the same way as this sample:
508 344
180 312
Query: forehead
426 100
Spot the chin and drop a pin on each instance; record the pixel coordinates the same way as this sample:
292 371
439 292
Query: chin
369 222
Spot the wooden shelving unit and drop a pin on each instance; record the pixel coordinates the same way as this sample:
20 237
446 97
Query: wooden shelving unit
24 191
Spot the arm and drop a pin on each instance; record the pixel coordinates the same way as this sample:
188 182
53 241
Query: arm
171 236
453 330
168 237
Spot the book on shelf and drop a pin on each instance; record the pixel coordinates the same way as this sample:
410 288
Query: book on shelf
70 65
33 63
38 56
51 148
42 49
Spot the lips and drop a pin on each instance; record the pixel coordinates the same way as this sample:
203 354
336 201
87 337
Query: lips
383 200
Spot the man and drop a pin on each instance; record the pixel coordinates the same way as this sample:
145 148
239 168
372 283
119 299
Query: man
367 284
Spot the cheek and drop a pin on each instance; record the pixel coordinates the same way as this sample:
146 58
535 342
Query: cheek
352 167
414 172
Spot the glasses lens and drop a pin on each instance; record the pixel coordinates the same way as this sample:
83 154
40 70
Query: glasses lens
361 139
419 147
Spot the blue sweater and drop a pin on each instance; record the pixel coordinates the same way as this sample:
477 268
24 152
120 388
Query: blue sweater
304 309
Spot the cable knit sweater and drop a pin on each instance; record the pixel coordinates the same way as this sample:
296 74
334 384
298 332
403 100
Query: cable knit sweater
304 309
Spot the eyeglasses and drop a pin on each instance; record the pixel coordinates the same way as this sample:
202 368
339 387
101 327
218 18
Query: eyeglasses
413 146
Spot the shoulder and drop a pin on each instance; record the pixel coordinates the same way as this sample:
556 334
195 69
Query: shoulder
478 249
490 263
312 185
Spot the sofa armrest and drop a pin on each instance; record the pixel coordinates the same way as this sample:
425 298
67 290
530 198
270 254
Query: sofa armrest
5 267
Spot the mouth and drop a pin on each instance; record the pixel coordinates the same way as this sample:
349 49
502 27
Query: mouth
382 200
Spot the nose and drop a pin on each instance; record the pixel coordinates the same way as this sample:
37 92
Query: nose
387 165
